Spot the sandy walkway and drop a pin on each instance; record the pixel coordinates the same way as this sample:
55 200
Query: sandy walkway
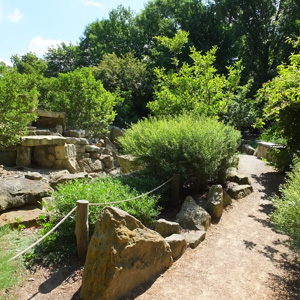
242 256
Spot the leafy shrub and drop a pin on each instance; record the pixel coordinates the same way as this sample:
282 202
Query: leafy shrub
62 242
287 214
184 144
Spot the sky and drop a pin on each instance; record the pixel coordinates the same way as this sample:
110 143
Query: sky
34 25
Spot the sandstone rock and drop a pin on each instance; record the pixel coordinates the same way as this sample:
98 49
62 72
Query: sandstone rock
33 176
129 163
248 149
23 156
192 216
42 140
214 204
122 254
107 160
65 151
28 216
166 228
70 164
194 238
16 192
90 166
177 244
227 200
64 176
115 133
233 176
92 148
76 141
240 191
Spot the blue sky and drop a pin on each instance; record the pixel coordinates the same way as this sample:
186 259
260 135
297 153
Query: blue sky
34 25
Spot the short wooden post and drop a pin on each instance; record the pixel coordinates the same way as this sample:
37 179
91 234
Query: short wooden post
175 190
82 228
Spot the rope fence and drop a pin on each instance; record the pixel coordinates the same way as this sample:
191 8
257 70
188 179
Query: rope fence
82 227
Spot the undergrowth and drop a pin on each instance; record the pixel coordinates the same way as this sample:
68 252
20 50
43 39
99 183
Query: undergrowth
62 243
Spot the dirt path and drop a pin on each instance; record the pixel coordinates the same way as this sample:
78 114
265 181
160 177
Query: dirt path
241 258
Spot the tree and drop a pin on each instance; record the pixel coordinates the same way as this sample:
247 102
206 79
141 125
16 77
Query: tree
197 87
259 30
119 34
87 104
18 101
29 64
62 59
130 79
281 97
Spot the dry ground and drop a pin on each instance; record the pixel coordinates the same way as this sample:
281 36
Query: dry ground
243 257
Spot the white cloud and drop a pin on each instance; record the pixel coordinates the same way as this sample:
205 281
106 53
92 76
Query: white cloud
92 3
40 46
16 16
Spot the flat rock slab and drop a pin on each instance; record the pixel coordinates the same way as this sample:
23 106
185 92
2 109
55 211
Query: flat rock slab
194 238
177 243
26 216
240 191
17 192
42 140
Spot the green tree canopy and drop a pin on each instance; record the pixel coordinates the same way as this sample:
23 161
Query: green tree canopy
18 101
87 104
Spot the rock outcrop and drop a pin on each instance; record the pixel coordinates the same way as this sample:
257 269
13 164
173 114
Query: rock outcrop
166 228
122 254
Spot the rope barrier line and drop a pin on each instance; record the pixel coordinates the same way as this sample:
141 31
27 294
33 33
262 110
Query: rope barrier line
140 196
43 237
63 219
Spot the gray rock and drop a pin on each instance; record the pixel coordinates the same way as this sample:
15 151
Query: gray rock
64 176
240 191
17 192
214 204
166 228
233 176
107 160
193 216
177 244
90 166
194 238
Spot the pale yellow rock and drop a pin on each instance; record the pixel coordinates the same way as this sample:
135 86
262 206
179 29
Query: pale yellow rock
122 254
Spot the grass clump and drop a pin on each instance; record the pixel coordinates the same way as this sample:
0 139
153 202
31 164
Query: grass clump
62 242
184 144
286 217
11 273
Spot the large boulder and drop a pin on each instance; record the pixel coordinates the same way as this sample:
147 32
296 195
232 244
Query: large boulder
64 176
192 216
17 192
214 204
122 254
129 163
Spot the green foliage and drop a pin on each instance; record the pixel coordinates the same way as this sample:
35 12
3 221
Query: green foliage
18 101
62 242
87 104
11 273
287 214
198 87
185 144
281 97
129 77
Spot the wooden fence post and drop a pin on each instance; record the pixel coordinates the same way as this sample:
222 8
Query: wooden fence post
82 228
176 190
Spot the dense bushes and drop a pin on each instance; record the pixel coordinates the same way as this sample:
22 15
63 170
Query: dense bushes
184 144
287 215
107 190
